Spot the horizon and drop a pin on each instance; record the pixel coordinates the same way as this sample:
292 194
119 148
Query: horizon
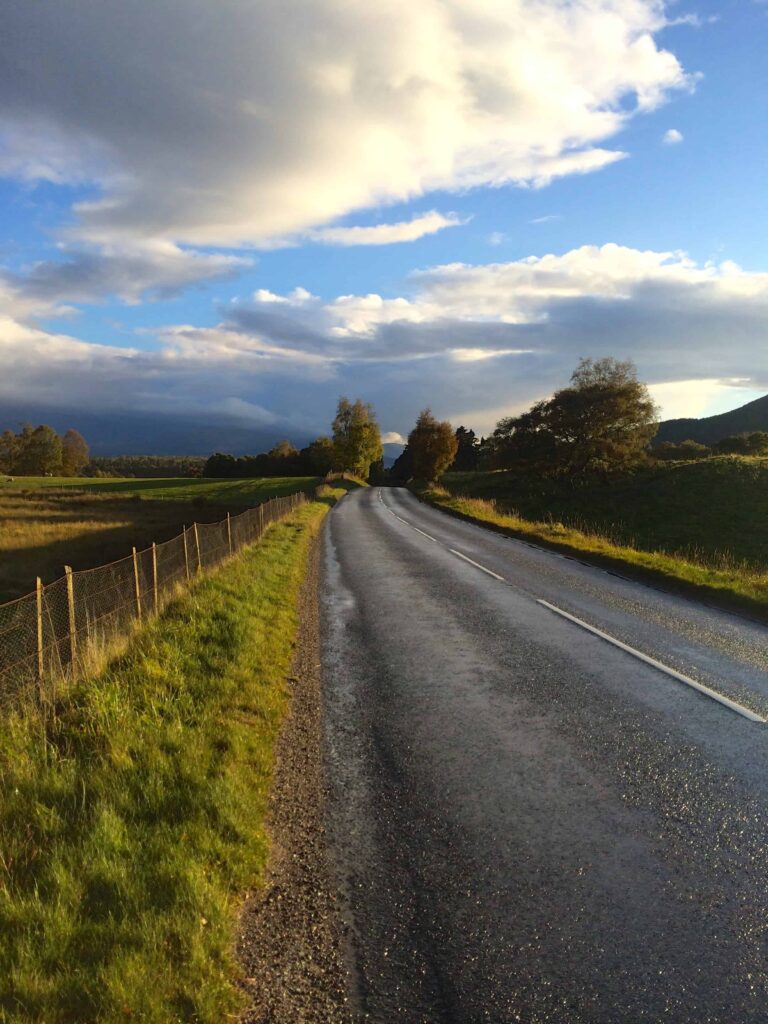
385 204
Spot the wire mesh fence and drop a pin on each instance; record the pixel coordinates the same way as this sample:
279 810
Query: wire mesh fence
52 632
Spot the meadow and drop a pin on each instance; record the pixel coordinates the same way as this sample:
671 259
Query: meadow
47 523
713 511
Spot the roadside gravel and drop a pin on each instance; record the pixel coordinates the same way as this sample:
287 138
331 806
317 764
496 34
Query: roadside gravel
291 933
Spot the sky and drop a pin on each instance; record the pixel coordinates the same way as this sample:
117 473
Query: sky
230 212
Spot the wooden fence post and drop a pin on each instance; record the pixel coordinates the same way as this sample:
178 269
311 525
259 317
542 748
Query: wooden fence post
186 553
40 666
197 547
229 533
261 518
136 584
154 573
72 618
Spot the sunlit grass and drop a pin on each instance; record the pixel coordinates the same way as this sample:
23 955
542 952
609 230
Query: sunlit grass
718 572
132 814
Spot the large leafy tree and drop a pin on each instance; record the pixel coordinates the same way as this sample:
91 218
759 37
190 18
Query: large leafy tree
40 452
356 437
75 454
432 444
602 422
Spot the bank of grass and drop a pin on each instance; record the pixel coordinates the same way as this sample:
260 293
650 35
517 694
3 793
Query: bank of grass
132 816
719 578
713 510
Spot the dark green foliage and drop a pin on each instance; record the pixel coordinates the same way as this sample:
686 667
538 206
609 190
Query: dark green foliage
433 445
467 452
401 470
755 443
39 452
687 451
147 466
602 423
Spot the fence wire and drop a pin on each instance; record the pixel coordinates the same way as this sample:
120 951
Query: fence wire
51 633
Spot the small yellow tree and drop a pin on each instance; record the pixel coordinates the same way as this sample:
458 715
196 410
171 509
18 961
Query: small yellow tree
433 445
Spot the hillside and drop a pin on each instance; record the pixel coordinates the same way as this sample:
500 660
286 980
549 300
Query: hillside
745 419
714 510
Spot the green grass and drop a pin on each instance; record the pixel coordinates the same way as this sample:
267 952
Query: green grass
132 819
702 552
713 512
226 492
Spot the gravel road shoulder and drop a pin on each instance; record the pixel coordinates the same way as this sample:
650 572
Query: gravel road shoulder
291 934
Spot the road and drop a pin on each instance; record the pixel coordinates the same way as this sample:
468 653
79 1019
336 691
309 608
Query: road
528 823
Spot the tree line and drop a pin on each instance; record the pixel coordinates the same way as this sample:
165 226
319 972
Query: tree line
354 446
601 423
40 451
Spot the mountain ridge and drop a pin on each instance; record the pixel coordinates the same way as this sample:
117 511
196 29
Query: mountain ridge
709 429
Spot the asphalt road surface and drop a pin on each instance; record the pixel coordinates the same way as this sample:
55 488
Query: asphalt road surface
527 822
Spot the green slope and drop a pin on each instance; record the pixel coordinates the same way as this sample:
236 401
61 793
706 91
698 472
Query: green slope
713 511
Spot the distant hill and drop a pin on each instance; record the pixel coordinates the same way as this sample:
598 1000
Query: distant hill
750 417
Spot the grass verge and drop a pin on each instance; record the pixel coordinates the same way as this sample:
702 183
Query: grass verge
132 819
738 586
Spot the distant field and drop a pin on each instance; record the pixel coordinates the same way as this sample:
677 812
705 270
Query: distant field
715 511
226 492
47 523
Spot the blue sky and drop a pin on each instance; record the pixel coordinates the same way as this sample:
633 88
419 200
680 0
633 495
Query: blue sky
185 205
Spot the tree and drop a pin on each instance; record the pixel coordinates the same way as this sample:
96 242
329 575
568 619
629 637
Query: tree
9 449
75 453
319 456
755 443
687 451
467 452
433 445
401 470
603 422
40 452
356 437
283 450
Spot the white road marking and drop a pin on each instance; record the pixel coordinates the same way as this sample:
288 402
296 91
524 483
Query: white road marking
660 666
477 565
405 521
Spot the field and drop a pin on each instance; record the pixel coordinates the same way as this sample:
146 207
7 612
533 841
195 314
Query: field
132 820
47 523
231 493
713 512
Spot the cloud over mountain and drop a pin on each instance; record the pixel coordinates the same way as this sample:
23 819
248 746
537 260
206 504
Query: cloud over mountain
487 336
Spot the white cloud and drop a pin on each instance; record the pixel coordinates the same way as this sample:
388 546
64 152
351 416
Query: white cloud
387 234
496 238
547 219
474 341
672 137
392 437
240 121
